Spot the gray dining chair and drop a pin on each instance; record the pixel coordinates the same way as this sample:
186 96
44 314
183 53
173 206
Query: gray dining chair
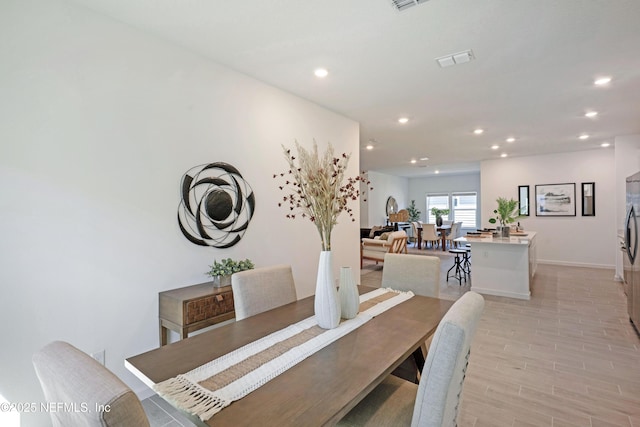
69 376
262 289
417 273
434 402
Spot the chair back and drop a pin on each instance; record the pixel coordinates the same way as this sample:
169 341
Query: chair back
440 386
415 225
417 273
459 229
262 289
429 232
68 375
453 233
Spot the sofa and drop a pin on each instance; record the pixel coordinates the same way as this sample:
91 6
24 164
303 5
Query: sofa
375 249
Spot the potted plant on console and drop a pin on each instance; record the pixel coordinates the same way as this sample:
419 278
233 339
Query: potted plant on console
507 213
221 271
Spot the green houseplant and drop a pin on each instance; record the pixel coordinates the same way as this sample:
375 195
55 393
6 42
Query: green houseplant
507 213
414 213
437 212
221 271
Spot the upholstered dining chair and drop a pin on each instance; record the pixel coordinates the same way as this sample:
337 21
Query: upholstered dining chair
417 273
434 402
430 234
454 234
67 375
262 289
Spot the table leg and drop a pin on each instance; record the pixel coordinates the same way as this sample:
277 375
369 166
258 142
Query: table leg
444 239
163 335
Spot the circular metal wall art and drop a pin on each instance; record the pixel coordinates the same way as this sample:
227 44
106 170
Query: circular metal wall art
216 205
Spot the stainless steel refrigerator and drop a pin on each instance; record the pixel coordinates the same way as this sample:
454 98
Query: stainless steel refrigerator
631 258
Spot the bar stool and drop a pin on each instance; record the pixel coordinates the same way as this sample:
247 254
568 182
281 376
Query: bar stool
466 260
459 272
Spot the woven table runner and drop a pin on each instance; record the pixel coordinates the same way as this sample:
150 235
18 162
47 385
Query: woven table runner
209 388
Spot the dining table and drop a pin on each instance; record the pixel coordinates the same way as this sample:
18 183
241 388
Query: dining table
318 390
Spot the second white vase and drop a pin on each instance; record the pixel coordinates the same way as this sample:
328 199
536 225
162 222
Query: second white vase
348 292
326 304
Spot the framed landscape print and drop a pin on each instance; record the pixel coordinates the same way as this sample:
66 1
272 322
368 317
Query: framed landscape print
556 200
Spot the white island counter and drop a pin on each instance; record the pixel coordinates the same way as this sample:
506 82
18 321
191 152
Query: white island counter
502 266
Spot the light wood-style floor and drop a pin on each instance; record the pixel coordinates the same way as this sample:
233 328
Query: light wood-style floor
568 357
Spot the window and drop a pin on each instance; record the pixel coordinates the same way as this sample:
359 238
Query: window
464 209
440 201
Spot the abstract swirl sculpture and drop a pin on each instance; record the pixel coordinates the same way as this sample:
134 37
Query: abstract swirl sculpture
217 205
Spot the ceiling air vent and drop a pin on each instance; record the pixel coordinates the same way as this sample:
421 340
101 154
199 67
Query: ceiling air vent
401 5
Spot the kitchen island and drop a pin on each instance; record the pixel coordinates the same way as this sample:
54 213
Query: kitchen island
502 266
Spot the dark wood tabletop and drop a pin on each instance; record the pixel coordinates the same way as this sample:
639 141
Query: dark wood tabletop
321 389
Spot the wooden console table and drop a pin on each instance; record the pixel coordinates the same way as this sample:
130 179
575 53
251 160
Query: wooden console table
191 308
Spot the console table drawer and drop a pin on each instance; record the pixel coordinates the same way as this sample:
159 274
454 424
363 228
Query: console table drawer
208 307
192 308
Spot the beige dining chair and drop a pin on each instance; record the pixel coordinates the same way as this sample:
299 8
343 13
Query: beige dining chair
417 273
415 226
262 289
434 402
430 234
453 234
70 376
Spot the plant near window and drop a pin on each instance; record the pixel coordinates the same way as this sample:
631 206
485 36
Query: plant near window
317 188
508 212
438 213
414 213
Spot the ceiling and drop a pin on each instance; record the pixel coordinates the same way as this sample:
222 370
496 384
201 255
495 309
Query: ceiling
531 79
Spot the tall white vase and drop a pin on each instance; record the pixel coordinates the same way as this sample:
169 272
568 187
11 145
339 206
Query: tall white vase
327 303
348 292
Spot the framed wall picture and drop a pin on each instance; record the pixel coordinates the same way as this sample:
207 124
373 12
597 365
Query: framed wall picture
556 200
523 199
588 199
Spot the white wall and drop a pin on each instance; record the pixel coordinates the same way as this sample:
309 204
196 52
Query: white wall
98 123
627 160
574 240
384 186
420 187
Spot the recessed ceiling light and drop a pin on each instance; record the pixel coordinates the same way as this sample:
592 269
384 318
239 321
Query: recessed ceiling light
495 146
601 81
584 136
369 147
321 72
413 161
424 158
437 171
511 139
403 120
591 114
503 155
605 144
478 131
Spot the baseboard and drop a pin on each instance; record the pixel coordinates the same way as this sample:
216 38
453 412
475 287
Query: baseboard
576 264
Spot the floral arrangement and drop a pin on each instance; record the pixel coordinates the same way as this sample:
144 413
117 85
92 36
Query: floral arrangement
317 188
227 267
